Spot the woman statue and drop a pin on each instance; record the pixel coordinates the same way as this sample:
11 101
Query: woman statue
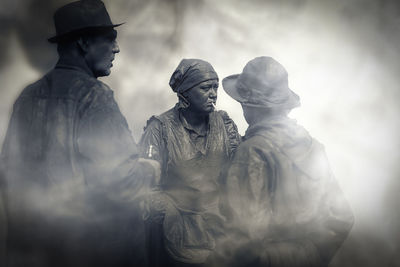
192 141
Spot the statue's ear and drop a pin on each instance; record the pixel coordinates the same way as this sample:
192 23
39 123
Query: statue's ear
83 44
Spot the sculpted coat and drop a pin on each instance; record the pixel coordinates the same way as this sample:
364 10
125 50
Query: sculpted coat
283 204
70 163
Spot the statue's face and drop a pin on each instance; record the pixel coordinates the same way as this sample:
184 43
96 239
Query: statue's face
101 52
203 96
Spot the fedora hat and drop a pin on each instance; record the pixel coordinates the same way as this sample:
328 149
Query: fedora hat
262 83
80 17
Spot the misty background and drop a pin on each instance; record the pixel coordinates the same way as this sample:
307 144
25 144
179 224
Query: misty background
343 60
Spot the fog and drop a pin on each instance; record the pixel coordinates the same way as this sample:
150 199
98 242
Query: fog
343 60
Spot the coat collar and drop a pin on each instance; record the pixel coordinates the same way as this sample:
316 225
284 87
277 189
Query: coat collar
74 63
265 124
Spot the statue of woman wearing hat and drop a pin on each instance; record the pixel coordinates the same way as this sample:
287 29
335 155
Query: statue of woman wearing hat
281 195
192 141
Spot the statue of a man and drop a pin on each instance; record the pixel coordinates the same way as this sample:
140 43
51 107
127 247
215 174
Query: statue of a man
71 164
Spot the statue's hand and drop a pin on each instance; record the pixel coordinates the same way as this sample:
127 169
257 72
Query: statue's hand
154 207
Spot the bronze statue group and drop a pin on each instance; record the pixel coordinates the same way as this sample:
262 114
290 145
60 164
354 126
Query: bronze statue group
78 191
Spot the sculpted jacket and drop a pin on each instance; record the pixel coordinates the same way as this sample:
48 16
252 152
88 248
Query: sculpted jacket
283 205
65 122
67 151
191 165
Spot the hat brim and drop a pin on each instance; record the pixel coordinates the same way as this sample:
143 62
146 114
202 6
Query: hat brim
78 32
229 85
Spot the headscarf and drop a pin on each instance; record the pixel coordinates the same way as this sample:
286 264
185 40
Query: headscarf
189 73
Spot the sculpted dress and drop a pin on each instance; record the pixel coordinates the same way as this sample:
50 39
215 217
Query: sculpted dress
68 155
191 163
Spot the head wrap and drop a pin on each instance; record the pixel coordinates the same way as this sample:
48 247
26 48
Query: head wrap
191 72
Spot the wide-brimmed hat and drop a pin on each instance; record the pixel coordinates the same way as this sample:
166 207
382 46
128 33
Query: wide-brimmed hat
79 17
262 83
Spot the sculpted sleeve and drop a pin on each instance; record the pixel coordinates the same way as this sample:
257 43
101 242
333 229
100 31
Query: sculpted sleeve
247 186
104 140
232 131
153 142
116 179
336 217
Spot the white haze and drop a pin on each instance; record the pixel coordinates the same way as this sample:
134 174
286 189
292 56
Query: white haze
343 60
